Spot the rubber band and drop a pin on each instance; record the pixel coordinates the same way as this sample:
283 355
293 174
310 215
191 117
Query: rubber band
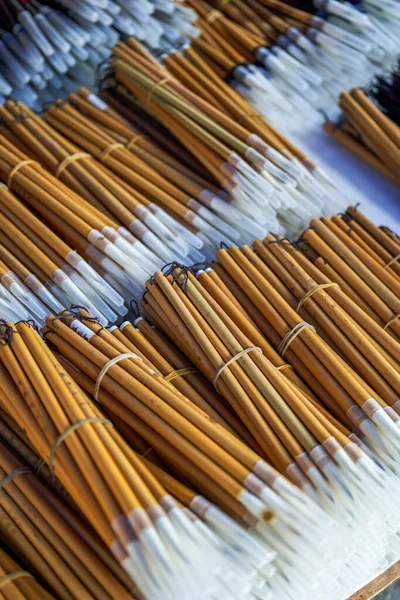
146 452
390 263
17 167
154 87
107 366
133 141
215 14
292 335
38 467
392 320
312 291
287 366
232 360
68 160
180 373
70 430
12 576
12 475
110 149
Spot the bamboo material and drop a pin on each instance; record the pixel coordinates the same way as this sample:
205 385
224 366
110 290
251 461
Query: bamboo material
16 440
240 438
204 450
86 229
376 137
146 189
286 63
52 262
54 540
359 150
18 583
210 124
315 419
374 287
90 179
185 378
354 363
215 342
94 464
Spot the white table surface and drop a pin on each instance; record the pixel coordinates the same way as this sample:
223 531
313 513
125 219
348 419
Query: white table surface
379 198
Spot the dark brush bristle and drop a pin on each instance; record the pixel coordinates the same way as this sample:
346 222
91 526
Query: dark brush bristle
307 5
386 90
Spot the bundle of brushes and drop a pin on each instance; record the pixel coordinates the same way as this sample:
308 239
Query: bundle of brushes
100 265
370 129
266 177
97 242
49 49
284 525
230 184
373 253
41 274
105 179
166 546
51 537
260 420
288 62
18 583
346 353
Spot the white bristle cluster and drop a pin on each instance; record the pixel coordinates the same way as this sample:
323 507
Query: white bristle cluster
51 52
298 81
304 551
